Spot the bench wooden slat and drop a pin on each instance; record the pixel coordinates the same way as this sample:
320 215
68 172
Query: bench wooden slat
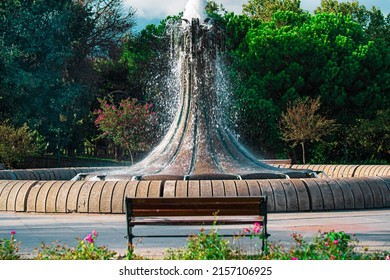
193 212
199 221
192 205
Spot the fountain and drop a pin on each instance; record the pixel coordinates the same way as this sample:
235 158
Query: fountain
198 146
198 156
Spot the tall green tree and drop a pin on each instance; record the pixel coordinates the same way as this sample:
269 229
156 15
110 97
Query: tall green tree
372 21
264 9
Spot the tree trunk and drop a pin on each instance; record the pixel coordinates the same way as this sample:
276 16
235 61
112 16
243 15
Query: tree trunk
131 157
303 152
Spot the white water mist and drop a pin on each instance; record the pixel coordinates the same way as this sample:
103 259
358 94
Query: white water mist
195 9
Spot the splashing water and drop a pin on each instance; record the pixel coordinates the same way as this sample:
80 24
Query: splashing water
195 9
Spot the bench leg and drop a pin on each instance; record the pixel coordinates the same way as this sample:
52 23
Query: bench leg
130 237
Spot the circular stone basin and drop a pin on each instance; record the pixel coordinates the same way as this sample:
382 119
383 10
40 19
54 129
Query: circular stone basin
52 191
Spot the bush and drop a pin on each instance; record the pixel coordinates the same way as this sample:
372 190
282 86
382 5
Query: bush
205 246
16 144
86 249
9 248
323 246
210 246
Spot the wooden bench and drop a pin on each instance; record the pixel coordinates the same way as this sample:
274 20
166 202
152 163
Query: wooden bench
195 211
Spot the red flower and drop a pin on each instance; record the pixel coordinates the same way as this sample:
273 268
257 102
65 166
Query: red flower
89 238
257 228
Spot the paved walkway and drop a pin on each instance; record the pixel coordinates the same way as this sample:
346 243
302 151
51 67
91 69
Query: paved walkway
371 228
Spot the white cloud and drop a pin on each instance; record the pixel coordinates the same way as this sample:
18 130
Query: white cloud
159 9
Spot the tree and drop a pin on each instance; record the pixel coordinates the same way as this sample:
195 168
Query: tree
264 9
111 25
128 125
301 123
372 21
16 144
369 139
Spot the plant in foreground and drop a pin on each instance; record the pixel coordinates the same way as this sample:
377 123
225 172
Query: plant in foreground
205 246
331 245
9 248
86 249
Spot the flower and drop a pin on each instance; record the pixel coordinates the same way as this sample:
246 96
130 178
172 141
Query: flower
336 242
387 258
94 233
257 228
89 238
247 230
13 232
294 259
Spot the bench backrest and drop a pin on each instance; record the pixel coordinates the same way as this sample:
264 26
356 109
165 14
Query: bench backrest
199 206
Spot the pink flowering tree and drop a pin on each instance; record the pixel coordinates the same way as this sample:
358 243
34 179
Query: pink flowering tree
129 125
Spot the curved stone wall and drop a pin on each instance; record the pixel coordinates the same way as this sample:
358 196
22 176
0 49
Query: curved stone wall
50 173
343 171
106 197
332 171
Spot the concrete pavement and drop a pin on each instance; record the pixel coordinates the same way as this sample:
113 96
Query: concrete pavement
371 228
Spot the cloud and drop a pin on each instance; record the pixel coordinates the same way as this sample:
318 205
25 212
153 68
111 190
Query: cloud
151 9
158 9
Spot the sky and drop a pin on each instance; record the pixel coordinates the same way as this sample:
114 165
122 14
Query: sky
153 11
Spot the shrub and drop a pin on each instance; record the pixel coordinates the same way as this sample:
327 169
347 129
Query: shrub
86 249
16 143
323 246
205 246
9 248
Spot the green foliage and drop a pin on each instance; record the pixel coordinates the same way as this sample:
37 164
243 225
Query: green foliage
301 55
370 138
323 246
18 143
44 42
204 246
85 249
264 9
48 49
333 245
373 21
9 248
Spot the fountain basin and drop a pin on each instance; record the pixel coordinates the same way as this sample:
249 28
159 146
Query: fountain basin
106 197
